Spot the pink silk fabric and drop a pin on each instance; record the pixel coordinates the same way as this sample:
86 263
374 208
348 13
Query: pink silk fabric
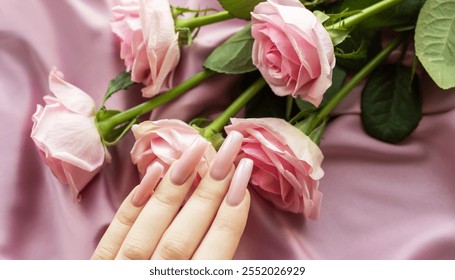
381 201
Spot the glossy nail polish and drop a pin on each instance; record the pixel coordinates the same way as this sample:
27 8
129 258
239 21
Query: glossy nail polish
185 165
226 155
239 182
148 183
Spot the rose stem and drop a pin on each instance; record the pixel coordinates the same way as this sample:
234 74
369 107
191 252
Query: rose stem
199 21
353 82
364 14
105 126
218 124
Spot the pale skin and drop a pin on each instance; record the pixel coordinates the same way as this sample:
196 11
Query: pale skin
152 224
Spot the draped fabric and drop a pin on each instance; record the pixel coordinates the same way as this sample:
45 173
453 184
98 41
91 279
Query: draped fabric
381 201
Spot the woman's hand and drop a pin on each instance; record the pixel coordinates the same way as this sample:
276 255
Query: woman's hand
151 223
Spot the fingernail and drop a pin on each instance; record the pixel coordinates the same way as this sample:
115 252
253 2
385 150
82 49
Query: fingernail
185 165
239 182
148 183
226 155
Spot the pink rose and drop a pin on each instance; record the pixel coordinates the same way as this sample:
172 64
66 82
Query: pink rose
148 43
292 50
287 164
164 141
127 26
66 136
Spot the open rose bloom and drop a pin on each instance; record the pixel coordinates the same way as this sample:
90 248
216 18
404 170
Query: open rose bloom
292 50
148 42
66 136
164 141
287 164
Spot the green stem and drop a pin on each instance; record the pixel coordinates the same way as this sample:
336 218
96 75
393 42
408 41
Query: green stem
199 21
218 124
353 82
364 14
105 126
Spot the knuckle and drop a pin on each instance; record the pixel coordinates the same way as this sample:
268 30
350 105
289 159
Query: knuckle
209 194
134 251
167 199
103 253
225 225
173 249
124 219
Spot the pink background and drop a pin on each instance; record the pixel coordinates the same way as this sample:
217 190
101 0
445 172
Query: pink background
381 201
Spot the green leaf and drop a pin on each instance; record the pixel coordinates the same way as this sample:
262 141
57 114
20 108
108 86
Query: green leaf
234 55
266 104
318 132
435 41
178 11
362 45
289 107
338 35
117 133
304 105
391 104
202 121
338 76
240 8
321 16
360 53
185 37
337 31
122 81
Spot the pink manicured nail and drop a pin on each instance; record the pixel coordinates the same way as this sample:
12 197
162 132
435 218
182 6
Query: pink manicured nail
185 165
226 155
239 182
145 188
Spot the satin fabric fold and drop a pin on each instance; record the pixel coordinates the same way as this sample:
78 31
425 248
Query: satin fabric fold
381 201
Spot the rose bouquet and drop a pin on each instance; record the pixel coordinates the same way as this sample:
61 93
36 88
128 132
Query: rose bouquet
295 61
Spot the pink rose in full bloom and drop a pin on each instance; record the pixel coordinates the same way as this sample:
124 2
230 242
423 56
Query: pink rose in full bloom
164 141
287 164
66 136
292 50
148 42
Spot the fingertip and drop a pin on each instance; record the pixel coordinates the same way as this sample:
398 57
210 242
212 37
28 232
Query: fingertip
147 185
226 155
239 182
185 165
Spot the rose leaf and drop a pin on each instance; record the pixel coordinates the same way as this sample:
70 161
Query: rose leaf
240 8
391 104
435 41
234 55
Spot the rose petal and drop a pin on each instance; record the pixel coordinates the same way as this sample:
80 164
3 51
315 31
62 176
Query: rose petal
73 98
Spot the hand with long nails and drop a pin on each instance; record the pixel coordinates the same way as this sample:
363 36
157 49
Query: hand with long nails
152 224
